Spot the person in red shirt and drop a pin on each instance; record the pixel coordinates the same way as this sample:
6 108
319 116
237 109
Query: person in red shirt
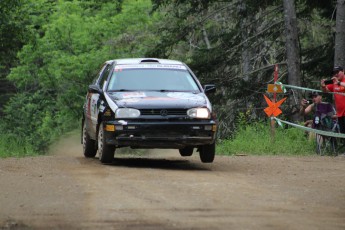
338 86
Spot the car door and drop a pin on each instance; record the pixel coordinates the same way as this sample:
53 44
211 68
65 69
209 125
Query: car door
94 101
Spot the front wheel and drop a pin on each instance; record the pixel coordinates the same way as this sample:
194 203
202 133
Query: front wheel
207 153
186 151
105 152
89 145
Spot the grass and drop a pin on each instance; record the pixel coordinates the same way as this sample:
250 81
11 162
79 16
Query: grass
10 146
256 139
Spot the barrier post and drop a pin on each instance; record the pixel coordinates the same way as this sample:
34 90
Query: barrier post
273 110
273 122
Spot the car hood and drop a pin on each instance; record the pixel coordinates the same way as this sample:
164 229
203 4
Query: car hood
152 99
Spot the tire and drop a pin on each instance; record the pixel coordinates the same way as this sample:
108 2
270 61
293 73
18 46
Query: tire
105 152
186 151
207 153
334 146
319 144
326 145
89 145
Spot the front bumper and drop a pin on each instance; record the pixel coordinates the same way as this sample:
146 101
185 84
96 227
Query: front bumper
160 134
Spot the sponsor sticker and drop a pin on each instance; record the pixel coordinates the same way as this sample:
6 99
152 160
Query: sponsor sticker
133 95
189 96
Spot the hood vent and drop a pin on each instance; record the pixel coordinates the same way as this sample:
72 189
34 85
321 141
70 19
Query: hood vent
149 61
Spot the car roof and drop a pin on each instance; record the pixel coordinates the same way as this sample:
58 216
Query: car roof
135 61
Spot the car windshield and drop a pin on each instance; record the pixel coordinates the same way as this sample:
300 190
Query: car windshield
152 79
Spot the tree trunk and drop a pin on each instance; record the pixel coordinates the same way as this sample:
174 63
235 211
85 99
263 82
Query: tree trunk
339 49
207 42
244 35
292 49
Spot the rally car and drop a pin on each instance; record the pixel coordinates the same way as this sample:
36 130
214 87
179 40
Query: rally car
148 103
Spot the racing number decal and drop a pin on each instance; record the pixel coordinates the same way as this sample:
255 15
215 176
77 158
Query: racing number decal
94 108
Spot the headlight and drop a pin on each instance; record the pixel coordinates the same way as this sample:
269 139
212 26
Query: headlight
127 113
199 113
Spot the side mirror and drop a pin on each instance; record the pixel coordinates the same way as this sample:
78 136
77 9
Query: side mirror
210 88
95 89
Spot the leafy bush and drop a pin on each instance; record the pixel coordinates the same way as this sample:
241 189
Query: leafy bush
62 57
12 146
32 121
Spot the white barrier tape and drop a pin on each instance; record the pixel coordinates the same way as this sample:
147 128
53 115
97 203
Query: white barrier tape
302 88
309 89
321 132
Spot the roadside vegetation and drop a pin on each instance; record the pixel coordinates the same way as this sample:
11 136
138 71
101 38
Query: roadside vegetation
12 147
257 139
51 51
253 139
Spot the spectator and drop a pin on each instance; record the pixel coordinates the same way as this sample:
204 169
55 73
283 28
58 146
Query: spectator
323 112
338 86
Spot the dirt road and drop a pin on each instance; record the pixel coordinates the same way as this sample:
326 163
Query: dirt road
162 190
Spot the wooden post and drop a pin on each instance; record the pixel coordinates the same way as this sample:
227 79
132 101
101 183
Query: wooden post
273 122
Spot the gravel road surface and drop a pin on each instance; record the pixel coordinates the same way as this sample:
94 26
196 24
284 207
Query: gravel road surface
159 189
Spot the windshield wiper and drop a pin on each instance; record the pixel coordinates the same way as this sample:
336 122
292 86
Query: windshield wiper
170 90
173 90
122 90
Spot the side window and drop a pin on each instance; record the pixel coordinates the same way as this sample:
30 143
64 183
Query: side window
104 75
95 80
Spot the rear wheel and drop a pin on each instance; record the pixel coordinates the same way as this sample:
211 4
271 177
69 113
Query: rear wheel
105 152
89 145
207 153
186 151
334 146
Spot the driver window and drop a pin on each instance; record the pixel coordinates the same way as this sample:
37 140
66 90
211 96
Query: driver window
104 76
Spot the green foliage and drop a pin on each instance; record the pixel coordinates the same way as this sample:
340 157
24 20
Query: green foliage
246 39
51 50
71 39
32 125
11 146
12 38
256 139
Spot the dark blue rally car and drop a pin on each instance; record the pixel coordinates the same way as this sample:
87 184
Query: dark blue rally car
148 103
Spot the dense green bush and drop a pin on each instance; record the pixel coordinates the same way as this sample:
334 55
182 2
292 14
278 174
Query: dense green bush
68 42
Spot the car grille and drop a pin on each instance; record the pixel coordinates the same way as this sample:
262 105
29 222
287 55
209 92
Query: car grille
163 112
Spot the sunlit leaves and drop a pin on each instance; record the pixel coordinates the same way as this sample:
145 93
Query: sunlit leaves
68 42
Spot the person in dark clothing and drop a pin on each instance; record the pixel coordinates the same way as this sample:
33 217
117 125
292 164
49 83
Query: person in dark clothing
323 112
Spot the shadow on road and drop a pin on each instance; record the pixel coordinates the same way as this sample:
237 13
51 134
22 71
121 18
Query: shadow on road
170 164
145 162
151 158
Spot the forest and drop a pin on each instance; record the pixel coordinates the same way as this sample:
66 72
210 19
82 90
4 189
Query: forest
51 50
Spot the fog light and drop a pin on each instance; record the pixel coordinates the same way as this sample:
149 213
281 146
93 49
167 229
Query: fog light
195 127
110 128
130 127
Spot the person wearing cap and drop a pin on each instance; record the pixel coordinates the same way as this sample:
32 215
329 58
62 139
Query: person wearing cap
323 112
338 86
